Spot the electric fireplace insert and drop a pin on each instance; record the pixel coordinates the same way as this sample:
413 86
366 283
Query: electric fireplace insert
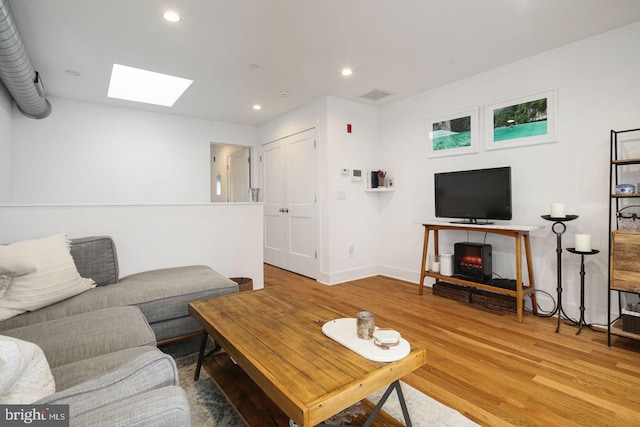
472 261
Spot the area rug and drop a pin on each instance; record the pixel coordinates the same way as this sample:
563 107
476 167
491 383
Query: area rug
209 406
423 410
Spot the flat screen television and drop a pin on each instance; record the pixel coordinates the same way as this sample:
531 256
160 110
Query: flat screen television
474 196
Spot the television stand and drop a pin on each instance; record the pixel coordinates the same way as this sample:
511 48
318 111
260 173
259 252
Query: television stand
519 233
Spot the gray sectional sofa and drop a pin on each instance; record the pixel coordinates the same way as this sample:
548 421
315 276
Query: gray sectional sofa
101 344
162 294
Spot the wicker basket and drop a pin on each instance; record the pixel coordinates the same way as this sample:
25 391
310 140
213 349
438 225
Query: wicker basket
244 283
631 321
451 291
629 221
495 301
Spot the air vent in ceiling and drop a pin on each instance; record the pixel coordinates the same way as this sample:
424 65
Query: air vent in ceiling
376 94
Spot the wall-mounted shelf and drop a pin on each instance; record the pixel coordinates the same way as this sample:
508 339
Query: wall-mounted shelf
379 190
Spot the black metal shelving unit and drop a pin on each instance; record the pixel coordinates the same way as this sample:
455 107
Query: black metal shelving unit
617 202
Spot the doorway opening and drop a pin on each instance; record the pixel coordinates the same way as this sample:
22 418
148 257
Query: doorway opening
230 177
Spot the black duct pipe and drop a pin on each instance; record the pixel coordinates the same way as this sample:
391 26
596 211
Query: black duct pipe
16 71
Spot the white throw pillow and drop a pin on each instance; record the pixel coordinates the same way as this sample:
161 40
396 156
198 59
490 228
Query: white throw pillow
55 277
11 264
25 376
5 281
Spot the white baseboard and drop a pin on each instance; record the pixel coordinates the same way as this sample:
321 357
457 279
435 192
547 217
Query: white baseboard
347 275
369 271
402 274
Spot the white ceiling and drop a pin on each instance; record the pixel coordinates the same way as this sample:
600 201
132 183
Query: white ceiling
402 46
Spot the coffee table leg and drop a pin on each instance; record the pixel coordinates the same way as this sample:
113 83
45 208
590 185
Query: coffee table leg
203 345
201 355
394 386
403 404
405 412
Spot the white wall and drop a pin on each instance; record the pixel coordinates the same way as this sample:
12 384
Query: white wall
353 221
225 236
94 169
598 90
90 153
6 146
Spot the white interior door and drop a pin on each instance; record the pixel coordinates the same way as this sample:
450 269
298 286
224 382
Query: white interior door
289 171
273 198
238 165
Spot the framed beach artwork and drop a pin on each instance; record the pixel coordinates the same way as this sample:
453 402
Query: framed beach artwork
527 120
453 134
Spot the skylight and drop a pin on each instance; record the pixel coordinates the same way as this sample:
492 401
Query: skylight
134 84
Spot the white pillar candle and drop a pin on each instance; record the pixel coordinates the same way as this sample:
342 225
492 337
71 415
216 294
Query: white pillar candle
583 242
557 210
435 267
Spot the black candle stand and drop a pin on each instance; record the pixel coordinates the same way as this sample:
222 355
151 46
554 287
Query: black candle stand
558 229
582 322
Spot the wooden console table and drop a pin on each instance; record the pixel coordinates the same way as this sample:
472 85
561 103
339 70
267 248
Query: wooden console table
517 232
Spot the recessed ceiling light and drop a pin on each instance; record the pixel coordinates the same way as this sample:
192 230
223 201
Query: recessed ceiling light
284 93
134 84
254 66
257 107
171 16
72 73
346 72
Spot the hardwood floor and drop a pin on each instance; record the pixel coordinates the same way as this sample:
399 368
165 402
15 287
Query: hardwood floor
488 366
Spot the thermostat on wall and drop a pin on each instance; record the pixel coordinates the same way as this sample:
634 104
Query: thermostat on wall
356 175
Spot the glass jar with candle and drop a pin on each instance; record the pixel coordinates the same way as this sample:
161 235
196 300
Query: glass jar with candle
366 324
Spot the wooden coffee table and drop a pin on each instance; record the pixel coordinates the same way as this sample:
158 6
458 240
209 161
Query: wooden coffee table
281 347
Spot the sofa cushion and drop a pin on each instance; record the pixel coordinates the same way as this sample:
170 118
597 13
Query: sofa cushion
96 258
149 371
55 277
86 335
25 375
162 295
175 328
162 407
158 295
78 372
